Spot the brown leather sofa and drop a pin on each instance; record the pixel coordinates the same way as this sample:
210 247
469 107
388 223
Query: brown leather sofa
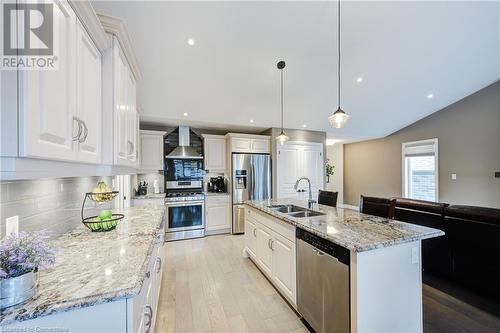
436 252
475 237
469 253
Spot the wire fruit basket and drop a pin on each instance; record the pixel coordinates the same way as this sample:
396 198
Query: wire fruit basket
98 222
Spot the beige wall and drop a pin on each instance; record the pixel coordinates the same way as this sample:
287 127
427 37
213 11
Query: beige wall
335 153
469 145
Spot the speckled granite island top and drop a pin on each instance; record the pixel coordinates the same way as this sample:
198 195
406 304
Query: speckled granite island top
94 267
349 228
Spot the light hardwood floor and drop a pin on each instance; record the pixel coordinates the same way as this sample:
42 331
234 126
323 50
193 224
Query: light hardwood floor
209 287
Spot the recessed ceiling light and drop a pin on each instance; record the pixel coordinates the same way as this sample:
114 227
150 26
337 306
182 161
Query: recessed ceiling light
190 41
304 125
430 96
251 120
359 79
185 114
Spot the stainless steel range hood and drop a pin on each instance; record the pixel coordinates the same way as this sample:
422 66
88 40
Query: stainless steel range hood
184 150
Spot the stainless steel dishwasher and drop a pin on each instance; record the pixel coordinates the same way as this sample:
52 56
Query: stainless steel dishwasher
323 287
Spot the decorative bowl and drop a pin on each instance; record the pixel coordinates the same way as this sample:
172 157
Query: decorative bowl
94 223
102 196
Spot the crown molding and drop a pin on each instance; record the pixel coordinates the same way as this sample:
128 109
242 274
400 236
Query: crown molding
116 27
88 17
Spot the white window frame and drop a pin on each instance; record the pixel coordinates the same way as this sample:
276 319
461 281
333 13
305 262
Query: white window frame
403 164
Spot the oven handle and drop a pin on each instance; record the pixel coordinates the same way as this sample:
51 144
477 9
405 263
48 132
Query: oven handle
185 203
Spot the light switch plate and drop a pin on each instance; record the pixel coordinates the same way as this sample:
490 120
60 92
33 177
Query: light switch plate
415 254
12 225
454 176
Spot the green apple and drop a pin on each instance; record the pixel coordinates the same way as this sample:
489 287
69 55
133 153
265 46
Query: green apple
105 214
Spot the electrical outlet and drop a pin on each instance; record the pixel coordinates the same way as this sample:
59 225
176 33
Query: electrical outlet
453 176
12 225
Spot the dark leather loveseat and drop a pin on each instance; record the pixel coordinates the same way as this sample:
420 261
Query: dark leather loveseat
469 253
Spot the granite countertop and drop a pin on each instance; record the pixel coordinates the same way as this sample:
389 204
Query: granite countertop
94 267
150 196
349 228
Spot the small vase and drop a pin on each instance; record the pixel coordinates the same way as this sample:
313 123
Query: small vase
18 289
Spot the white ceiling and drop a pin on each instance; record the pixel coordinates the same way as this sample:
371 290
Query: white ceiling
403 50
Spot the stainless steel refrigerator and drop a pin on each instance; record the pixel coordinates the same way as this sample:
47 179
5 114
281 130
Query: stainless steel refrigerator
251 180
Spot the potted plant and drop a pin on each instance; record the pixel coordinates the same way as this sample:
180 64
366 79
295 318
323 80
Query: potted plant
21 257
328 170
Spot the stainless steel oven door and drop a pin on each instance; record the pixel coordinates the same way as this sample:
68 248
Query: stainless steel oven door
185 215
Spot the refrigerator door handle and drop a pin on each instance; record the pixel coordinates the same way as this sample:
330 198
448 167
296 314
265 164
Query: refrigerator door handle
250 179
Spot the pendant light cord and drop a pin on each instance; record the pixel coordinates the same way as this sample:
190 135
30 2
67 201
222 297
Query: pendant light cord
338 44
281 75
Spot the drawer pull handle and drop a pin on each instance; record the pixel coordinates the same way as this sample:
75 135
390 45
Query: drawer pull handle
149 315
158 268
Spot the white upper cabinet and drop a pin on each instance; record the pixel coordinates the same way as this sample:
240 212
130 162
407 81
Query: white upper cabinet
89 98
248 143
60 110
215 152
120 105
47 98
261 146
151 150
297 160
120 119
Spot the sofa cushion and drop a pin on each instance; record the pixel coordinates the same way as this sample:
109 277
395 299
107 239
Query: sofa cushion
473 213
421 205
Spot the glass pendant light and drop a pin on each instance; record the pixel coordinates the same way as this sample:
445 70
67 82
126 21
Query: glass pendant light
339 118
282 138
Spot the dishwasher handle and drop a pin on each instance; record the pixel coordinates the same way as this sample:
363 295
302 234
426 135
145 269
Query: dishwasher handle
323 246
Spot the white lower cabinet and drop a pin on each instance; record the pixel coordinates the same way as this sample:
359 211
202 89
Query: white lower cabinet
251 237
284 265
264 252
217 213
142 308
270 243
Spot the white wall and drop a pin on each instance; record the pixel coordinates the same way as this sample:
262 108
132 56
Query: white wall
335 153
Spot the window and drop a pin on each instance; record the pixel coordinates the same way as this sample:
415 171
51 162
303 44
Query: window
420 170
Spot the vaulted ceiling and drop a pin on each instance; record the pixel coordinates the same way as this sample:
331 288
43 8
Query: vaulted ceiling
403 51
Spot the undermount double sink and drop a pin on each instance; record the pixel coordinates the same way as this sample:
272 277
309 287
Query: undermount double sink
295 211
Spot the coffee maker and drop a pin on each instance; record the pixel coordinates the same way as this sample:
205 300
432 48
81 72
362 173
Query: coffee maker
217 184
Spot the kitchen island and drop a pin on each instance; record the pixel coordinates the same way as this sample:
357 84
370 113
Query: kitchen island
102 281
382 257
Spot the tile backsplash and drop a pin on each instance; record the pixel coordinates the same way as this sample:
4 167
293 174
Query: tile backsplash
149 178
48 204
